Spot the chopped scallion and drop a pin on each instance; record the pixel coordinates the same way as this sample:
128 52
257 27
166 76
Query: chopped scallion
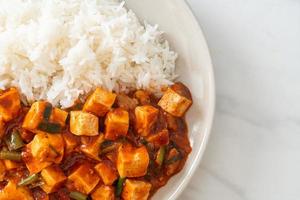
161 155
47 112
28 180
10 155
78 196
120 186
49 127
14 141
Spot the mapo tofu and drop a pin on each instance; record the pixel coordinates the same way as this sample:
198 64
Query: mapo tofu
117 146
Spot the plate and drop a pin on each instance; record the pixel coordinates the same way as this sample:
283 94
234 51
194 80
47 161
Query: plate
195 69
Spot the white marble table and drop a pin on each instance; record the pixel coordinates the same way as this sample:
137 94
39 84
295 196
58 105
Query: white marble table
254 149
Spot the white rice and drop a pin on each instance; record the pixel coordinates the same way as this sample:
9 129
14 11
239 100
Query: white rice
59 50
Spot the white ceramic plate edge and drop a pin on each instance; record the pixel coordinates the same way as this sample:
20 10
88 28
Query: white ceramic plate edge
210 115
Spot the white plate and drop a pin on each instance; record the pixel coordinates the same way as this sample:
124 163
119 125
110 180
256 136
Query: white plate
195 69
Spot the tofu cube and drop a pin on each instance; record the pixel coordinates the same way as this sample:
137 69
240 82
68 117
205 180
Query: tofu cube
136 190
34 165
10 104
159 139
42 151
83 123
47 147
173 167
13 192
100 102
53 177
59 116
91 146
84 178
56 144
176 100
145 118
40 148
107 172
2 170
132 162
36 114
116 124
104 192
71 141
11 164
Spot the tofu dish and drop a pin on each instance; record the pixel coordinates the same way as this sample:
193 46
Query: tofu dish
90 105
108 146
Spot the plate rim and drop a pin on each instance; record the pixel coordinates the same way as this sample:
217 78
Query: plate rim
211 109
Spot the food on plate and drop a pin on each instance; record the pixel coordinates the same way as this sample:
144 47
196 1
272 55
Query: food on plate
127 153
89 105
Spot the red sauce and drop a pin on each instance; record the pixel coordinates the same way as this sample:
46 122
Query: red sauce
157 175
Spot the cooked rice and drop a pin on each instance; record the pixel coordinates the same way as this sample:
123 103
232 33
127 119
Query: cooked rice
59 50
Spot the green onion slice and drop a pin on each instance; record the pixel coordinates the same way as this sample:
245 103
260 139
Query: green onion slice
14 141
10 155
161 155
120 186
78 196
28 180
47 112
49 127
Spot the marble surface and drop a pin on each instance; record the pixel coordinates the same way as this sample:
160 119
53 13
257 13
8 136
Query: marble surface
254 149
